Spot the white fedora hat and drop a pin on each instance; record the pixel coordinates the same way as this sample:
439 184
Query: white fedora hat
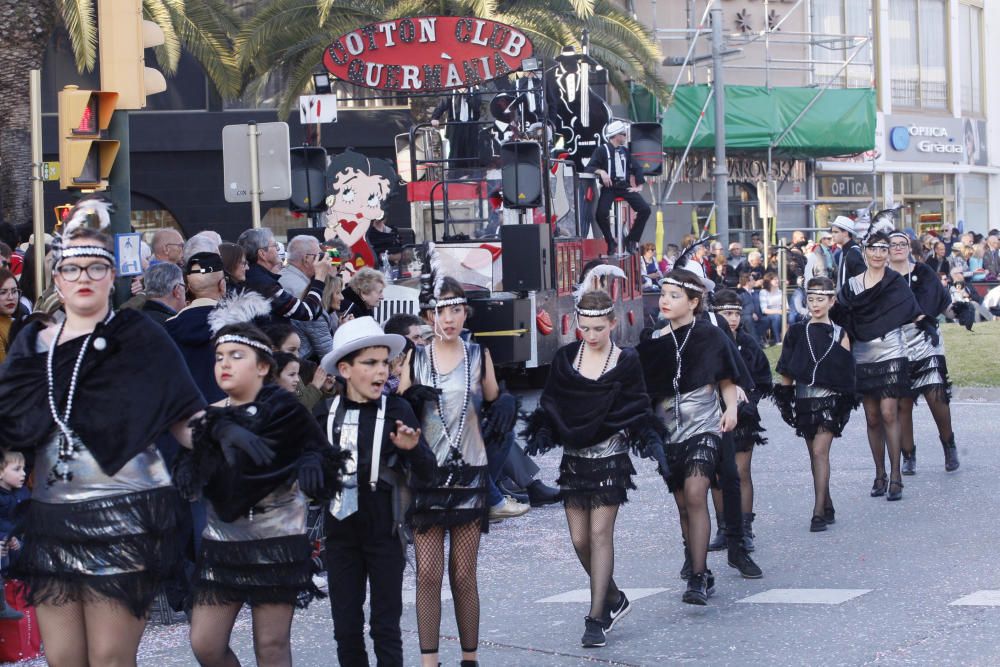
615 127
358 334
845 223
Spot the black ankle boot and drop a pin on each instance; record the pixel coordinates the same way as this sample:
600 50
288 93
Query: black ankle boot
469 663
950 454
719 542
748 535
686 568
740 559
910 461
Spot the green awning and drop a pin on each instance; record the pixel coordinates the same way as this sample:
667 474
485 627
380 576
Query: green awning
841 122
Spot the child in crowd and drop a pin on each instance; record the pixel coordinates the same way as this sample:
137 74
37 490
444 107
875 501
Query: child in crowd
12 493
366 536
287 371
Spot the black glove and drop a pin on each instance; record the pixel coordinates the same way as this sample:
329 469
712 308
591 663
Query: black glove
234 438
929 327
503 413
311 475
652 448
661 462
784 398
965 314
541 441
418 395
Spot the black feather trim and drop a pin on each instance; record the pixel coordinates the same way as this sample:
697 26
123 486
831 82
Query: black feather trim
823 413
588 483
884 379
535 425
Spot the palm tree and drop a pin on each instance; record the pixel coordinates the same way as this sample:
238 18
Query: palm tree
205 28
288 37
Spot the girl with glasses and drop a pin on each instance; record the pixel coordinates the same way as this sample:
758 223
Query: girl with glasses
12 313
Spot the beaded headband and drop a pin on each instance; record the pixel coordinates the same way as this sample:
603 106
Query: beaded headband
690 286
85 251
821 292
728 306
588 312
899 233
451 301
243 340
878 244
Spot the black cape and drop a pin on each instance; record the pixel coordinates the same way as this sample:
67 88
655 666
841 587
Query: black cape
836 371
882 308
277 416
757 363
709 357
932 297
583 412
127 395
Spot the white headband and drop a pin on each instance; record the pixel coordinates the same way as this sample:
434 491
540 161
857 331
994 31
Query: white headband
243 340
586 312
690 286
451 301
728 306
85 251
821 292
878 244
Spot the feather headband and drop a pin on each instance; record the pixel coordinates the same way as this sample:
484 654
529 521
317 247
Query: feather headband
238 308
686 285
243 340
596 273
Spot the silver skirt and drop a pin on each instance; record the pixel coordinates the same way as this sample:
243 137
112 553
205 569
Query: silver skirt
805 391
928 367
888 347
700 412
280 514
616 444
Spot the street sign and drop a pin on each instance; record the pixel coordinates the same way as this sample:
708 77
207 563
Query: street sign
272 156
317 109
128 255
50 171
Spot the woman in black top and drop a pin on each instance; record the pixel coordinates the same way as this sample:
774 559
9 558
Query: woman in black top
873 307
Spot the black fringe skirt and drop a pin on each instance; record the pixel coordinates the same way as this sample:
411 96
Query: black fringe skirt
698 456
455 497
276 570
822 410
589 483
882 367
120 547
748 432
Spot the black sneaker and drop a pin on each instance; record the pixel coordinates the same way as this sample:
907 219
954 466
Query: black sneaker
910 462
817 525
741 560
617 612
697 590
709 583
593 634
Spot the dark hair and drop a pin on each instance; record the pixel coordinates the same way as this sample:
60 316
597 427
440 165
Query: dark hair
250 331
596 299
744 279
9 235
232 256
880 237
278 333
307 370
5 250
917 250
685 276
6 275
727 297
768 280
400 323
88 234
820 282
451 286
282 359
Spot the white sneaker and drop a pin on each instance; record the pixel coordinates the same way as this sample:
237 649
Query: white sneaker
319 580
508 508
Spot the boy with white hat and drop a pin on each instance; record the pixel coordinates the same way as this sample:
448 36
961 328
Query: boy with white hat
851 260
621 178
365 530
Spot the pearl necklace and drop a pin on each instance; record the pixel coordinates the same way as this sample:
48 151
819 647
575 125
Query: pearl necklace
67 449
457 440
607 361
677 374
812 354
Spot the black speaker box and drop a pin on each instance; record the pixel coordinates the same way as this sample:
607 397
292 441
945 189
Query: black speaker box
647 147
527 257
503 315
521 174
308 166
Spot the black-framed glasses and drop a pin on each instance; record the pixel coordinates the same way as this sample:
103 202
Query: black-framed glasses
311 255
899 246
95 271
12 291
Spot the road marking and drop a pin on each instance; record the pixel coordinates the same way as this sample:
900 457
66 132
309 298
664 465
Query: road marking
978 599
806 596
583 595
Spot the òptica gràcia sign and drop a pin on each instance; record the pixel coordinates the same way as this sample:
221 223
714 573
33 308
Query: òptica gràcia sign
427 53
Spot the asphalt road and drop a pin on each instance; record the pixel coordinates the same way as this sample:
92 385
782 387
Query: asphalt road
889 584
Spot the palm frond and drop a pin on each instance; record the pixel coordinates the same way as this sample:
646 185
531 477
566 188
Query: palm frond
168 55
209 44
583 8
78 18
299 79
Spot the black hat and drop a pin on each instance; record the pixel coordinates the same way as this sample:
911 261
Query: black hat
207 262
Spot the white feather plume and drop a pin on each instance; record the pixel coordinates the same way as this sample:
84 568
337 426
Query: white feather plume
435 260
87 212
238 308
609 271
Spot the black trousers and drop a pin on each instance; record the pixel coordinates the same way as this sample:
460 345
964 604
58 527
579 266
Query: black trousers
361 551
633 199
729 480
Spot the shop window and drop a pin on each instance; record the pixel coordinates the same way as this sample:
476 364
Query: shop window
971 52
831 19
150 221
918 53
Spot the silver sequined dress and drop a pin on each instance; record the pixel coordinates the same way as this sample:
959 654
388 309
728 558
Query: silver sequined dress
928 367
881 365
692 448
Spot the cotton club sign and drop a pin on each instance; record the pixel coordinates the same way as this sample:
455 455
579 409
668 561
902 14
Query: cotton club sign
427 53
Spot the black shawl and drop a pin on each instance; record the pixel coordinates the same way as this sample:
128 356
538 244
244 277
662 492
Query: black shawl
709 357
583 412
127 394
277 416
932 297
757 363
835 372
885 306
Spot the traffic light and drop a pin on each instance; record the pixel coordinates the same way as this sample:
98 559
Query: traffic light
123 37
85 155
308 166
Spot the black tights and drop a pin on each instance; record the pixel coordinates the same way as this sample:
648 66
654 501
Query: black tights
884 431
819 457
212 625
692 508
940 409
593 533
462 563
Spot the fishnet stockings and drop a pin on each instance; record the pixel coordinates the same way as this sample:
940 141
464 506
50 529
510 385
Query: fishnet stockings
212 625
462 562
592 531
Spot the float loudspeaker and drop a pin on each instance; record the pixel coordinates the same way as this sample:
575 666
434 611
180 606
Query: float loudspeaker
521 172
647 147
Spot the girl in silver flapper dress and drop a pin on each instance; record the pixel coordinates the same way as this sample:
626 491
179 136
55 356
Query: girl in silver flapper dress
460 378
925 351
816 394
89 396
873 307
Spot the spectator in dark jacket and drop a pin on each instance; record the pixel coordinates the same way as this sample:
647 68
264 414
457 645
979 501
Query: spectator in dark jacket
751 306
363 294
262 277
165 292
12 493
